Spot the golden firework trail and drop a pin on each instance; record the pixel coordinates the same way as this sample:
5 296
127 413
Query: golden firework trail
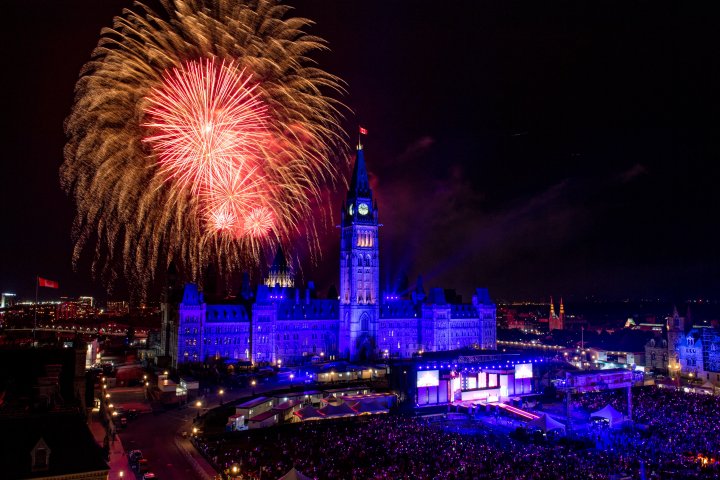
201 133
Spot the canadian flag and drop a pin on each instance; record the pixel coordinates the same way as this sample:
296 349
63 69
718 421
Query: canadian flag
44 282
363 131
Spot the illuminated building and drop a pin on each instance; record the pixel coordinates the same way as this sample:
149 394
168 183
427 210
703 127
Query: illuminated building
556 322
290 325
690 353
280 274
8 300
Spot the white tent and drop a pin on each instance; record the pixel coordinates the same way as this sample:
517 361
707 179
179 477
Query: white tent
546 423
294 475
609 413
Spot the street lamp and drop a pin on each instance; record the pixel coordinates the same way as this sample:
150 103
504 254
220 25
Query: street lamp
221 393
291 378
253 383
198 404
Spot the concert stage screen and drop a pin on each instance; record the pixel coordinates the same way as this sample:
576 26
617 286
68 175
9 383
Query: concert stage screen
428 378
524 370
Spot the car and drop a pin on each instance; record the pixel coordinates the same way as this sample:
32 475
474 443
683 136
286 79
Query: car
141 466
123 422
149 476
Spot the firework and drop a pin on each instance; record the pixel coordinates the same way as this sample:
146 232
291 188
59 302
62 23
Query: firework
200 133
209 123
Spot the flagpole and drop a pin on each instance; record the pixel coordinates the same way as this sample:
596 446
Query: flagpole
37 282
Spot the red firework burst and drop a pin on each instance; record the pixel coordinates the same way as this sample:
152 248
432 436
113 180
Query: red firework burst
259 222
206 122
232 197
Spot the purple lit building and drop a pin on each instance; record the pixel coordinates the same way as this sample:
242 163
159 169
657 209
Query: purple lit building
288 325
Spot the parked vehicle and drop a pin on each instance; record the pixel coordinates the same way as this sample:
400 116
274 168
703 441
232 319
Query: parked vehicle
141 466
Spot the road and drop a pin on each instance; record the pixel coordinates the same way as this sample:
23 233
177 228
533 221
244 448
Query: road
155 435
158 433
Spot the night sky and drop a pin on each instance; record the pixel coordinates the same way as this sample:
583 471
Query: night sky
540 148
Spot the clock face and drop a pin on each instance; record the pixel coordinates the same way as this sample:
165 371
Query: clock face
363 209
351 209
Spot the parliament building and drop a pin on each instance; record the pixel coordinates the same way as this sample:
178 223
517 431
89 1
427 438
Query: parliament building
280 323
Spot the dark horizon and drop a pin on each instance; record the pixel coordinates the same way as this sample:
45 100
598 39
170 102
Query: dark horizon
531 149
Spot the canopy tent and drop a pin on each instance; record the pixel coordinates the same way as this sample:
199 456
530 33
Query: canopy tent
369 407
609 413
308 413
294 475
342 410
332 399
546 423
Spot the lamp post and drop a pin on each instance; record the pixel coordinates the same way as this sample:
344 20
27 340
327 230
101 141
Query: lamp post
292 375
198 404
252 383
221 392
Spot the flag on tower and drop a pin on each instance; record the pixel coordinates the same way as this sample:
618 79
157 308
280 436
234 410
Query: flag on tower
44 282
363 131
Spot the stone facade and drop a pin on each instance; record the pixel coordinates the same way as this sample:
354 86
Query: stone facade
289 325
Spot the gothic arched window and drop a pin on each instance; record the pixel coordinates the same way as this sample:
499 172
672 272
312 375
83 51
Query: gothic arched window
364 322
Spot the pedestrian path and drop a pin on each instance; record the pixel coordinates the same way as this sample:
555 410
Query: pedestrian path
118 460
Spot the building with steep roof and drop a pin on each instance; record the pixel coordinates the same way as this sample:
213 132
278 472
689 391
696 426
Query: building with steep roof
280 274
286 324
691 352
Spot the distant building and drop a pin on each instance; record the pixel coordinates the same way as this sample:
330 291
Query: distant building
7 300
690 352
556 322
290 325
117 308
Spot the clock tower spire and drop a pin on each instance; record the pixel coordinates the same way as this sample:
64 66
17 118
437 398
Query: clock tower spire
359 267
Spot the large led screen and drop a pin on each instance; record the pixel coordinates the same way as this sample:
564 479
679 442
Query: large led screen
428 378
524 370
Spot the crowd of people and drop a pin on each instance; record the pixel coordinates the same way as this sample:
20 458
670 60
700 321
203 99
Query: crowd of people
679 428
669 421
